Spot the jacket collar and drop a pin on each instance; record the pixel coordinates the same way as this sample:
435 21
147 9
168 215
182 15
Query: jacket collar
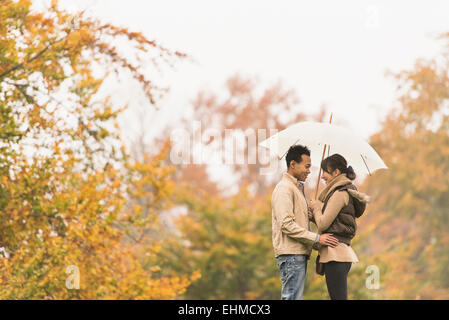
292 179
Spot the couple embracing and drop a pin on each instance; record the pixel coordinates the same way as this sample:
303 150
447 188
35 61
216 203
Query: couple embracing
334 214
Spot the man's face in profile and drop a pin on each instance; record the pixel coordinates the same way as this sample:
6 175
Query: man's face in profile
300 170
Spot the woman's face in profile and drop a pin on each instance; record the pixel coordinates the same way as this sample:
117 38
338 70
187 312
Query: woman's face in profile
328 177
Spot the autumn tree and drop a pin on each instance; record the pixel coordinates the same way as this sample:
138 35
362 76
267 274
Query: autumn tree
406 224
244 105
228 237
66 182
228 241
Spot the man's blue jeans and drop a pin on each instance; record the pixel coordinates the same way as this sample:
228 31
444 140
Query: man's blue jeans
293 269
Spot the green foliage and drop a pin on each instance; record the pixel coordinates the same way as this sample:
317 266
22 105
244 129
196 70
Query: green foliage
229 241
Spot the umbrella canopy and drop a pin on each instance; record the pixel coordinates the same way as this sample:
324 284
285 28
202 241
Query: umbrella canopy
315 135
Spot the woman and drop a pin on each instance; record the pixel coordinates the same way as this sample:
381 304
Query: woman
335 211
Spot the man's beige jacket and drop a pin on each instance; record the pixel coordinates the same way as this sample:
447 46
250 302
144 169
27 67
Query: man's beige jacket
290 221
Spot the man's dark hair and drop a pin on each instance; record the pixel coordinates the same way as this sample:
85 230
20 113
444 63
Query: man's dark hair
295 153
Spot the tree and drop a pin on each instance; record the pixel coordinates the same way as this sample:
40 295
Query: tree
228 237
247 107
67 189
55 59
228 241
407 221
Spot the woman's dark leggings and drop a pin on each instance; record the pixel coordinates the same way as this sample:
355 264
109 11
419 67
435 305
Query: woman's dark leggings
336 279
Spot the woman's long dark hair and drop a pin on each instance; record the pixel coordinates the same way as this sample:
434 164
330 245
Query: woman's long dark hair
337 161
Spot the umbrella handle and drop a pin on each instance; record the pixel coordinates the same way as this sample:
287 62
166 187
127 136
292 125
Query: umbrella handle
322 157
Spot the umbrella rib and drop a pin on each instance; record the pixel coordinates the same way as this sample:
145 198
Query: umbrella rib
289 148
365 164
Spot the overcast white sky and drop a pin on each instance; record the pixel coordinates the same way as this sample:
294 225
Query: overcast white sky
332 52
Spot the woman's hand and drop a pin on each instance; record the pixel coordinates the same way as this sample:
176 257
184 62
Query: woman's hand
315 205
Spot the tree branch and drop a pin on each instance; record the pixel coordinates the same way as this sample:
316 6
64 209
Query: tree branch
20 65
37 55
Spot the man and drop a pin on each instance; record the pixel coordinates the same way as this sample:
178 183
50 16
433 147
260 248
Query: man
292 238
